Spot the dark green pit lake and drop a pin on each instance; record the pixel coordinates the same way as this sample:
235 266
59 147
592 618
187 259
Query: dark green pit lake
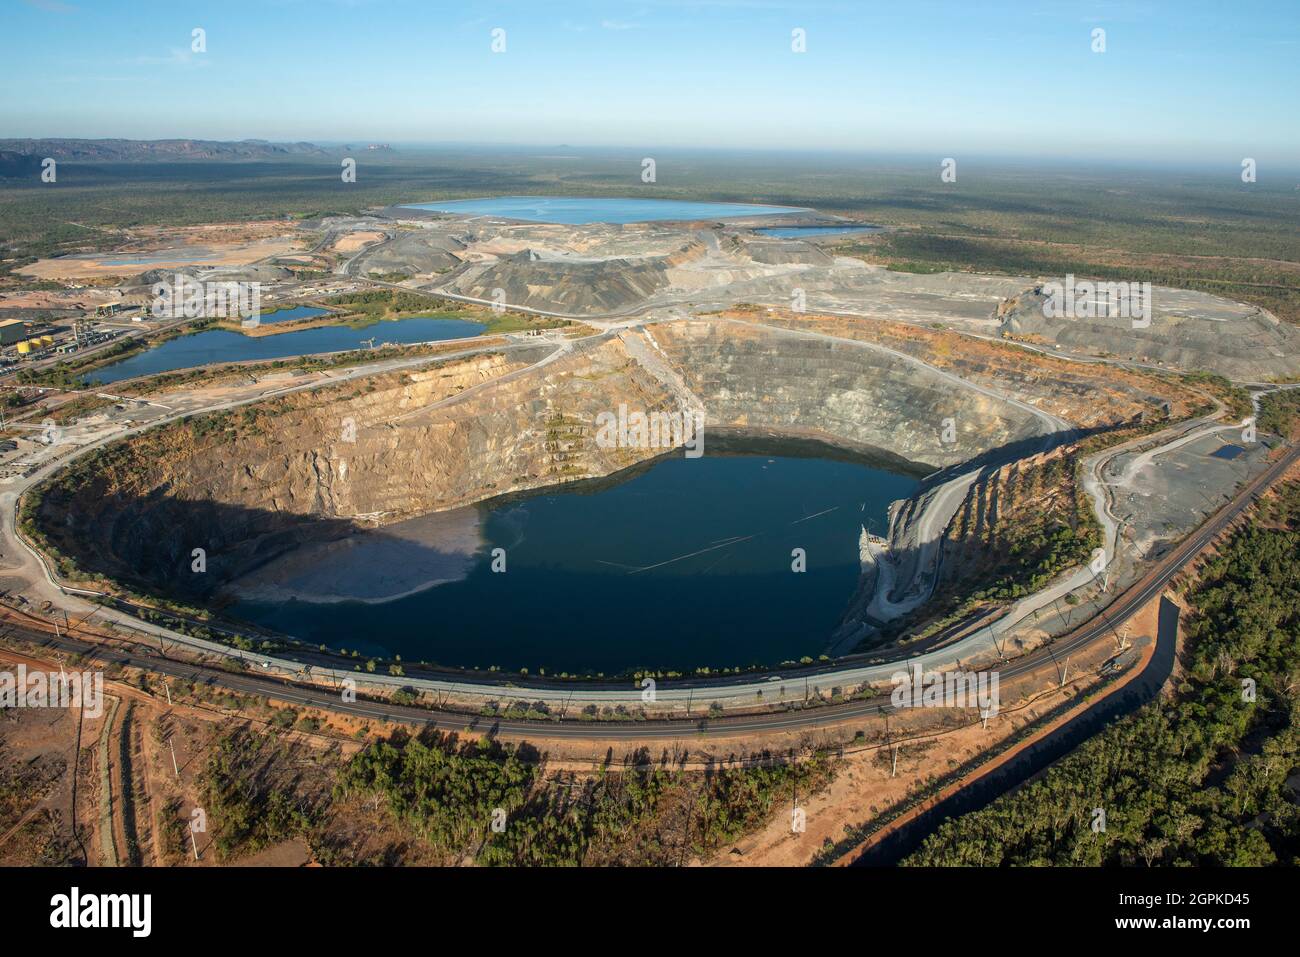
222 345
681 564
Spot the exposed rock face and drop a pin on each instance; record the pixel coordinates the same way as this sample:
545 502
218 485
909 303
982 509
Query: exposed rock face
1084 394
1190 331
314 465
249 484
784 382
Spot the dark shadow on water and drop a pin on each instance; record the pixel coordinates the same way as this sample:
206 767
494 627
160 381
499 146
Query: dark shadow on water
659 621
148 542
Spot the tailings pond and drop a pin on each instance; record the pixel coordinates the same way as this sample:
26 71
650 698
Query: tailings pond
581 210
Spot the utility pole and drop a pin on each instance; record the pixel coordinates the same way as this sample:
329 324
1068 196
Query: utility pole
1060 679
1064 617
893 746
171 745
997 644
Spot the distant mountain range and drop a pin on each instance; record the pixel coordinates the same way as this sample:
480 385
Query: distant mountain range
18 164
143 150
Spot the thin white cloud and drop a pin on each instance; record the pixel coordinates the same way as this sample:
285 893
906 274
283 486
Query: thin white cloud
175 57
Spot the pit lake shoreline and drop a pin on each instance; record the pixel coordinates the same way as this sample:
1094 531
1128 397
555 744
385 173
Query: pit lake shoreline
663 566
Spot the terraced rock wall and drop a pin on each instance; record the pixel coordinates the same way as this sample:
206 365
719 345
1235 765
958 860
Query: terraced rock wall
860 397
248 484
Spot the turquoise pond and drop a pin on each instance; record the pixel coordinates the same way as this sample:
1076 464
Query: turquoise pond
576 211
679 564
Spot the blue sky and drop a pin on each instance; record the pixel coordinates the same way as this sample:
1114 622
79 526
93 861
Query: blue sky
1199 80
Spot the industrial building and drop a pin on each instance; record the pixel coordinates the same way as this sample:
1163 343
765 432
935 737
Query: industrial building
11 331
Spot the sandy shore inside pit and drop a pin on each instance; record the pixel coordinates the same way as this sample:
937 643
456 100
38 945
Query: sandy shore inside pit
373 566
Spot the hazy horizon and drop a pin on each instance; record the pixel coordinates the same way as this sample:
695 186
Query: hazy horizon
880 160
1176 85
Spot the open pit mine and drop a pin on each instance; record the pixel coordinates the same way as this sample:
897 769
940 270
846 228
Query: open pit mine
982 477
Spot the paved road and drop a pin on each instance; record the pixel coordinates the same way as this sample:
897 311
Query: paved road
685 694
1097 629
697 693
